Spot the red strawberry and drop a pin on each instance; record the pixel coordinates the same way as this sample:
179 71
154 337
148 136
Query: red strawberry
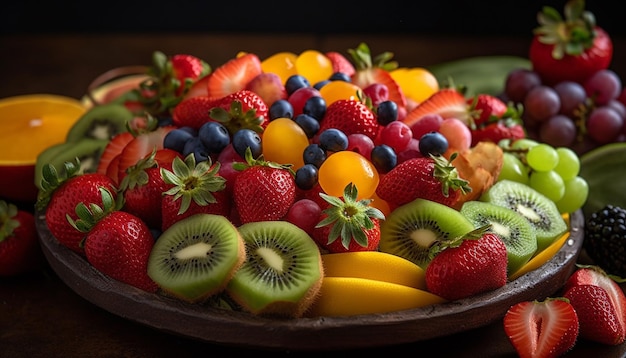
141 146
164 157
117 243
340 63
571 49
114 147
198 88
348 224
468 265
193 112
312 194
495 132
351 117
241 109
263 190
233 75
433 178
370 71
602 310
447 102
187 69
546 328
170 78
194 188
600 320
19 246
60 195
486 108
143 189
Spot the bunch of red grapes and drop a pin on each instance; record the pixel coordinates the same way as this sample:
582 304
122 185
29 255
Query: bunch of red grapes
581 116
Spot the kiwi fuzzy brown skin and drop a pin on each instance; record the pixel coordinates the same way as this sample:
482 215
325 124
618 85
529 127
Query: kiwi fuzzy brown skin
101 122
283 272
513 229
411 229
195 258
541 212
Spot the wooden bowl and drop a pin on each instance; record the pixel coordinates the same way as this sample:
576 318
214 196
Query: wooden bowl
244 330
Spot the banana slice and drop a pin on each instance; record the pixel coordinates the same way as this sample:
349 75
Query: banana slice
348 296
374 265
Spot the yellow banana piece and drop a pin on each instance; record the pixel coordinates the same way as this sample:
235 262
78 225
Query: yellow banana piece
348 296
543 256
374 265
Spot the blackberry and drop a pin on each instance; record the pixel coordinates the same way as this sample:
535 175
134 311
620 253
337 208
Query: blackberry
605 239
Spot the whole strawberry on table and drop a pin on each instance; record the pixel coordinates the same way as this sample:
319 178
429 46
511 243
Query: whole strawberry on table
19 246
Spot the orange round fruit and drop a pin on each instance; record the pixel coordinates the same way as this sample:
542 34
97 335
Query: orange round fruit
30 124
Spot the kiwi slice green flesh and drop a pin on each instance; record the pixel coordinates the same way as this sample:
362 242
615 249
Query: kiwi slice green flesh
511 227
282 273
411 229
196 257
101 122
539 210
87 150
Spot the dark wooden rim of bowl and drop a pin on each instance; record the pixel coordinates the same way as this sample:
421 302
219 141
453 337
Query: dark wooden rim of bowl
245 330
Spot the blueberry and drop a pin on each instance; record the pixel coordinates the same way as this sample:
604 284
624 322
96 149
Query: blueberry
333 140
309 125
306 176
195 146
176 139
214 136
314 154
281 109
433 143
387 112
295 82
247 138
340 76
384 158
315 107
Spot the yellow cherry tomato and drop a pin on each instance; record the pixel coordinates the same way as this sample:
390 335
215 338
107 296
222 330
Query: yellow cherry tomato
314 66
417 83
282 63
336 90
345 167
283 142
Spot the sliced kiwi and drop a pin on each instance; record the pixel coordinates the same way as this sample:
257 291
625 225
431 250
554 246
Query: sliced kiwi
283 270
411 229
540 211
511 227
101 122
196 257
87 150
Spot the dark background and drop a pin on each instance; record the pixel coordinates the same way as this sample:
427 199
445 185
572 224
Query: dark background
321 17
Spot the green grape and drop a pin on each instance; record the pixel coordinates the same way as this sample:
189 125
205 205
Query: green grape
523 143
569 163
575 196
542 157
513 169
548 183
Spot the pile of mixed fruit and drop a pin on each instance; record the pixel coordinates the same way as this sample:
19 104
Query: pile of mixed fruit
338 184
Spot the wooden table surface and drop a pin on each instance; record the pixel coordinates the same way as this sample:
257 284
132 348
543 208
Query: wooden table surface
40 316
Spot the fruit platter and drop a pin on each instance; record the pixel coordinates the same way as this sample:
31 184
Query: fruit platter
299 195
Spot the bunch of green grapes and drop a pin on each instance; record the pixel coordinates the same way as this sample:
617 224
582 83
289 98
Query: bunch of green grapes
552 171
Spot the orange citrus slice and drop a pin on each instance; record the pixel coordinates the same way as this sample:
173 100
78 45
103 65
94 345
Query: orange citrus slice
31 123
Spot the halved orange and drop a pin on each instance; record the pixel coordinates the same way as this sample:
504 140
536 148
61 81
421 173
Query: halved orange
28 125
